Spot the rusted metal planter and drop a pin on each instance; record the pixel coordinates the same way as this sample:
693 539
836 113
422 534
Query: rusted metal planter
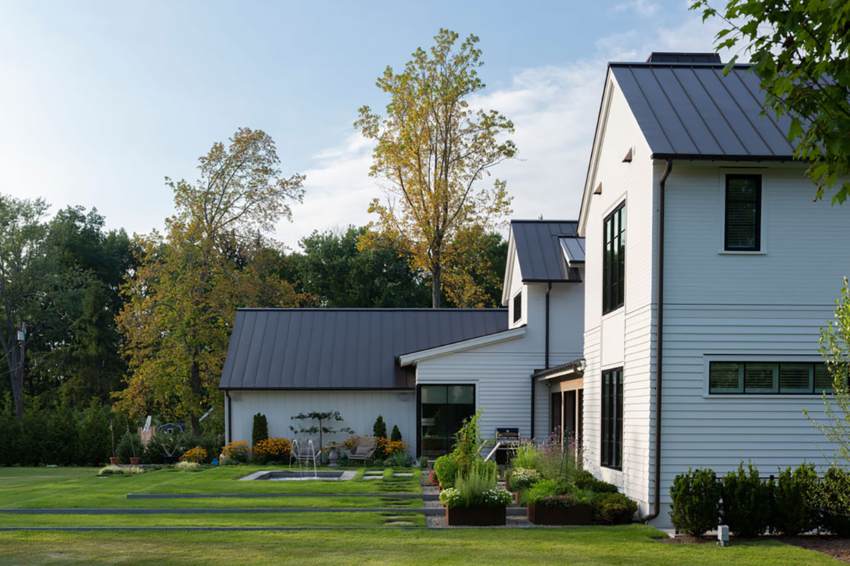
479 516
577 515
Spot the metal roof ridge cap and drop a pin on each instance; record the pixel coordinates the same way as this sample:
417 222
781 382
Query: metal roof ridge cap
674 64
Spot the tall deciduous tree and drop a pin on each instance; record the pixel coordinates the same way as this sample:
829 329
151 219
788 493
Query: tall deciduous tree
182 297
433 149
22 276
801 53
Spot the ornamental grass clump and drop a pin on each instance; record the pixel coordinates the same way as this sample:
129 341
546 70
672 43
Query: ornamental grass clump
119 470
187 465
477 488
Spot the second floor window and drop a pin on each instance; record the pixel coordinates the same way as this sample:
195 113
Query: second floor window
518 307
742 232
614 261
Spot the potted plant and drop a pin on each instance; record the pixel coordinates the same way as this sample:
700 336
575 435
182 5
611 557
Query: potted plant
563 509
475 500
113 460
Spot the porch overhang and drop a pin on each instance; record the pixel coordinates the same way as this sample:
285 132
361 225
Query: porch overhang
563 372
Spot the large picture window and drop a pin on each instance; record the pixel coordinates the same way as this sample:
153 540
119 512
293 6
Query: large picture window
442 410
743 213
612 418
791 378
614 261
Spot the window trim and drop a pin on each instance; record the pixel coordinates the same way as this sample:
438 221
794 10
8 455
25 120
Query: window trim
759 244
605 422
776 392
607 307
517 300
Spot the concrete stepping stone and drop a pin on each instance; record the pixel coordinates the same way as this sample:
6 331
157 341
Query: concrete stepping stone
398 524
403 474
373 477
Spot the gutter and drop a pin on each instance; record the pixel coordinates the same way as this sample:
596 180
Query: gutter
659 345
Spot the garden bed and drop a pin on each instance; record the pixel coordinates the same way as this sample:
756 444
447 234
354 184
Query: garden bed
543 515
478 516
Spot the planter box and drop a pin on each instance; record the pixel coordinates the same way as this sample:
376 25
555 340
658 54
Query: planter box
542 515
476 516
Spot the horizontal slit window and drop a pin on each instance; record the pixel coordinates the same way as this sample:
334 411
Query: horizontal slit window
769 378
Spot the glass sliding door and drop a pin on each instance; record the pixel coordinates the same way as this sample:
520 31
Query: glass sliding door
442 410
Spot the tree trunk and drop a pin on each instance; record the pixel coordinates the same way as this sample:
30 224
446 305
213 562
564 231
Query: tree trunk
196 391
436 276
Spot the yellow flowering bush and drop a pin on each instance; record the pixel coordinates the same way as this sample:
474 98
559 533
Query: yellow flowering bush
197 455
387 447
272 449
239 451
350 443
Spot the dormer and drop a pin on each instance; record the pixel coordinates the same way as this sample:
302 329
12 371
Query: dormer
540 252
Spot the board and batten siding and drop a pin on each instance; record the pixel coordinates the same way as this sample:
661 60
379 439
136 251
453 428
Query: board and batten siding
624 338
744 307
359 410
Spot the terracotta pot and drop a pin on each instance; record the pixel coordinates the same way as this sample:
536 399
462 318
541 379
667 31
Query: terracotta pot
542 515
134 461
479 516
113 460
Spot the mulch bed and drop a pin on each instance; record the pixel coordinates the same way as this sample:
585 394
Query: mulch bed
838 548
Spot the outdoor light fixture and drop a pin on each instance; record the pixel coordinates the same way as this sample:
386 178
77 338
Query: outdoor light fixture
722 535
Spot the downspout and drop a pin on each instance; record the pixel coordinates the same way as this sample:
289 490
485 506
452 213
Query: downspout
229 417
659 345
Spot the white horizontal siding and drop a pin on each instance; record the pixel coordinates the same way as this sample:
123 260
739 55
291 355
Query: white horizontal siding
359 410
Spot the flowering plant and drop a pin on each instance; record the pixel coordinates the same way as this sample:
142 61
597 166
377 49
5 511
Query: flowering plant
497 497
197 455
389 447
523 478
239 451
272 449
451 497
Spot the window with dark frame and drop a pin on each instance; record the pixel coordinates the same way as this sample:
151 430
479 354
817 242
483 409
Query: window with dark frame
614 260
742 232
612 418
518 307
761 378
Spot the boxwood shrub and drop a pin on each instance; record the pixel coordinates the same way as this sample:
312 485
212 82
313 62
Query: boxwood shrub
695 499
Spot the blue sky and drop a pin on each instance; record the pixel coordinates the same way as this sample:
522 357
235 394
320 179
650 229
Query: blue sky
99 101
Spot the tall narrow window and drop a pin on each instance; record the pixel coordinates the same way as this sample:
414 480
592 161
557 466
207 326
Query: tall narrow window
518 307
614 262
612 418
743 213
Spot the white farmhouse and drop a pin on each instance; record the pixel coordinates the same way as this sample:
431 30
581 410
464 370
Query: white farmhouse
709 272
424 370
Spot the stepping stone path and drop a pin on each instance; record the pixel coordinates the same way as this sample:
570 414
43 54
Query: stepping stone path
398 524
403 474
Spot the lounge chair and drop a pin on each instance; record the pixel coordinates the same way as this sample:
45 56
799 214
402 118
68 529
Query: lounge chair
364 450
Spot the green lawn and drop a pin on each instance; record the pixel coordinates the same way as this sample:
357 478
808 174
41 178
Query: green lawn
80 487
632 545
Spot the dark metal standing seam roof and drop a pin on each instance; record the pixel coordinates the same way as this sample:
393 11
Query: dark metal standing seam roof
342 348
539 250
693 110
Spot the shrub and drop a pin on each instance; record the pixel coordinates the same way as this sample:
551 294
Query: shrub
746 502
830 493
397 460
260 430
563 501
387 447
545 488
696 502
446 469
585 480
478 487
196 455
238 451
12 437
792 513
62 437
523 478
34 433
613 508
527 456
95 442
272 450
379 429
129 446
396 434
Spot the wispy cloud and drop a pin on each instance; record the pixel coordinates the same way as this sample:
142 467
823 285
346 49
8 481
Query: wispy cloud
639 7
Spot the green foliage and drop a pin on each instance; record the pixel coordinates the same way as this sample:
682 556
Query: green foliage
545 488
397 460
130 446
835 348
395 436
379 429
746 502
829 497
35 431
340 275
613 508
446 468
62 437
695 499
11 439
527 456
583 479
324 424
799 50
95 446
792 512
478 486
260 429
467 443
523 478
432 149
